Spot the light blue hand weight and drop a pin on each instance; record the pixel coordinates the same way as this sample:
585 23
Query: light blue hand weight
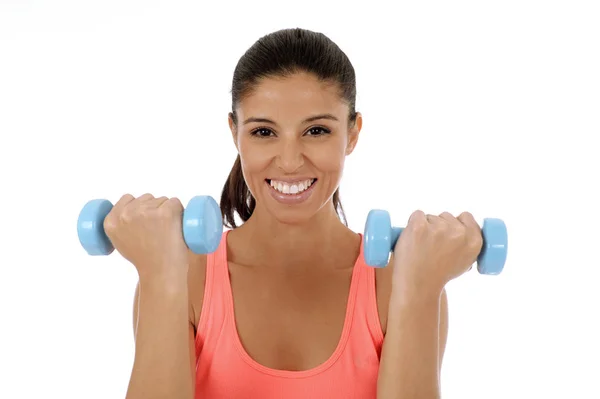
202 226
380 239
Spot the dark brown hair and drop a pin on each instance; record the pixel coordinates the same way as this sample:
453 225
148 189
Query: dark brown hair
280 54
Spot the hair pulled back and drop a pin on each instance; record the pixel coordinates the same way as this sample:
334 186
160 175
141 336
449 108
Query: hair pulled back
281 54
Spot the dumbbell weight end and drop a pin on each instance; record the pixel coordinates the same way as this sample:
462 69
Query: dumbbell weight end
202 224
494 250
379 238
90 227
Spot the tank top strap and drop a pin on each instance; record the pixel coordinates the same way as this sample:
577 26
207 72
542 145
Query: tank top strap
366 309
215 300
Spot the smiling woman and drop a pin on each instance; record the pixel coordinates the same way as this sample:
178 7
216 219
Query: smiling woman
286 307
294 90
289 287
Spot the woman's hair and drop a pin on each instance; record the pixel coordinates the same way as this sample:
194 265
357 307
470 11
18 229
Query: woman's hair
281 54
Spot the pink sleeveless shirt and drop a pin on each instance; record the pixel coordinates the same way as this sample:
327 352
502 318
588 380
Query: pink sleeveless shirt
225 370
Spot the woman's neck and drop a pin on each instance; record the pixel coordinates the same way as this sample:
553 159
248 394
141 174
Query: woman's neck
270 242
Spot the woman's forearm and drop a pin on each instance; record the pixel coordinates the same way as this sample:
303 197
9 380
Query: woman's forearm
409 367
161 367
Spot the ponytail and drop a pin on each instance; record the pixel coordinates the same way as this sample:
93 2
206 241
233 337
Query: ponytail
236 197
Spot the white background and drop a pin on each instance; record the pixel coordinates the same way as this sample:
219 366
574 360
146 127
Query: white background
490 107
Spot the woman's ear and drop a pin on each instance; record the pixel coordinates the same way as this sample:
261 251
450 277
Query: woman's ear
353 134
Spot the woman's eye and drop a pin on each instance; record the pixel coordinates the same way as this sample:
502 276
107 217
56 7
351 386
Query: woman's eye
262 132
318 131
313 131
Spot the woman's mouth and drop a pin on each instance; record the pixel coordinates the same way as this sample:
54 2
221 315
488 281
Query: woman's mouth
291 187
291 192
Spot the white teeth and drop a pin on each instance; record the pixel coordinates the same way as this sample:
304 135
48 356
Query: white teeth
294 188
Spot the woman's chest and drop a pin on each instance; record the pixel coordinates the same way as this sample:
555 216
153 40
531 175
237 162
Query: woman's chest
290 322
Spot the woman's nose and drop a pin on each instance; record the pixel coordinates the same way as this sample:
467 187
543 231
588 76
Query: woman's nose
290 157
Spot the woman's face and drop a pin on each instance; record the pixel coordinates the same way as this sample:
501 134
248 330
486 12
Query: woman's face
293 138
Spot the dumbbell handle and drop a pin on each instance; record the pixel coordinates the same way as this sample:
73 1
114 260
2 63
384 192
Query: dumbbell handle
396 231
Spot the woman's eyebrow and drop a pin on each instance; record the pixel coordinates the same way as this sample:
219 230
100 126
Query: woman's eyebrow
307 120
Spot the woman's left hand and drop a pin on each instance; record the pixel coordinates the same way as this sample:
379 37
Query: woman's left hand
432 250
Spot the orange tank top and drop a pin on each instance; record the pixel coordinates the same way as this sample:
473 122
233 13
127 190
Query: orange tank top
224 370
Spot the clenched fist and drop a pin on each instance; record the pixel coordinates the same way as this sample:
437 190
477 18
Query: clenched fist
147 231
432 250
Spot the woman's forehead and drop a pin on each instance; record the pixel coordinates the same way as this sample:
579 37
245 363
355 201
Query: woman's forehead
296 95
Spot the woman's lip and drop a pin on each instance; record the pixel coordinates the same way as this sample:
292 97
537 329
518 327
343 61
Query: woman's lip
291 179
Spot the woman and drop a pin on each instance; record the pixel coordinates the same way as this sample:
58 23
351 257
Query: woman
286 306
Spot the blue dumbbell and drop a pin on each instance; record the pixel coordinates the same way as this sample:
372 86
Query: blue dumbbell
202 226
380 239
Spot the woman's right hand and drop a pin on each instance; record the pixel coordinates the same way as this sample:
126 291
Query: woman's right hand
147 231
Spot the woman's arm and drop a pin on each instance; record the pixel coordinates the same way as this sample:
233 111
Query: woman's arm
415 341
164 361
431 251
